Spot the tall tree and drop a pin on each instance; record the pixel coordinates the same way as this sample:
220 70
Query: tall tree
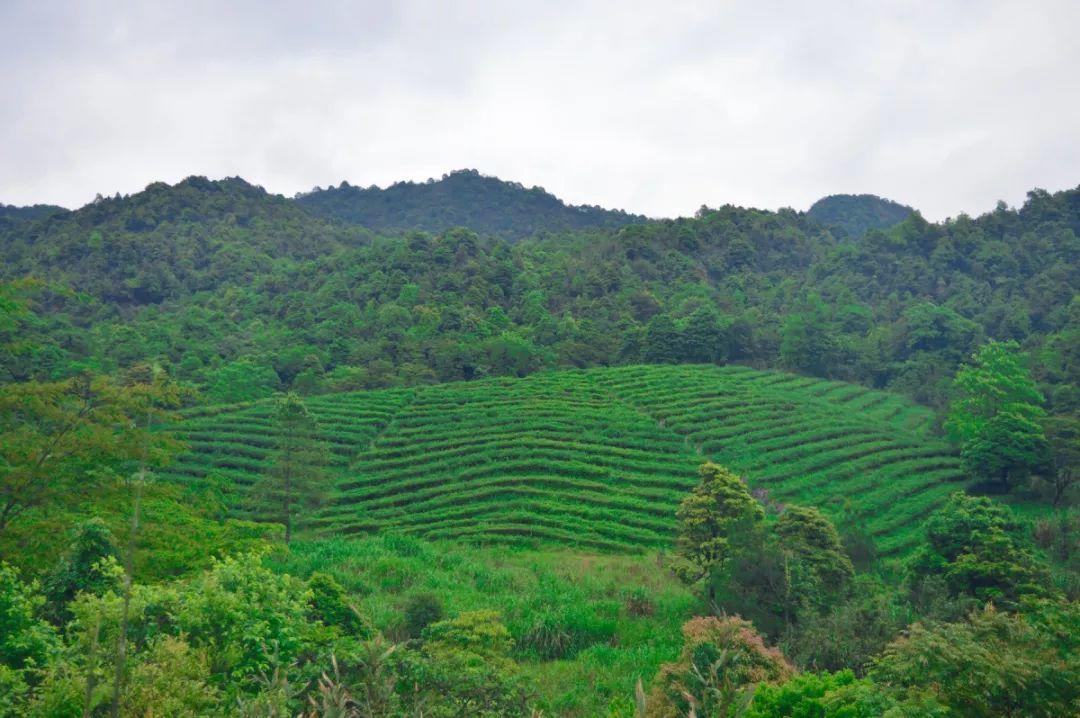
293 483
975 546
61 440
716 511
663 342
996 417
1063 433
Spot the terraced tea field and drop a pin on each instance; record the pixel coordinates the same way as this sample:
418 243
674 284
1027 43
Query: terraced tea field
597 458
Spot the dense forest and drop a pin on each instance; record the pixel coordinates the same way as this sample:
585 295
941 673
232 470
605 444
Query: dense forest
456 449
857 214
464 198
219 280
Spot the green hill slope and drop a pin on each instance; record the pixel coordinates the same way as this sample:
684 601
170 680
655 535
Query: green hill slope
464 198
857 214
598 459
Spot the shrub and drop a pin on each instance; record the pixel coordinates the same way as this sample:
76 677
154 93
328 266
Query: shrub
467 670
721 661
421 610
330 605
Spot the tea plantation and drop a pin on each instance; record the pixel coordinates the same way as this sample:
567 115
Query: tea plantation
597 459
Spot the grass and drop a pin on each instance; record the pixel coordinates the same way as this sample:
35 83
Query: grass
585 626
594 460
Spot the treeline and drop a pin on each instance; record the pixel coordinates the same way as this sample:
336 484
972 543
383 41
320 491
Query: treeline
243 293
464 198
857 214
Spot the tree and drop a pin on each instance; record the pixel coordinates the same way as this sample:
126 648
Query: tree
721 662
820 695
1063 434
996 417
421 610
814 542
242 380
993 664
715 512
25 639
808 342
663 342
466 666
703 338
293 483
973 545
59 441
331 605
783 572
89 565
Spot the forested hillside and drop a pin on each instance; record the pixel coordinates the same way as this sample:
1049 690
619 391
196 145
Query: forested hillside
464 198
244 293
241 473
10 214
857 214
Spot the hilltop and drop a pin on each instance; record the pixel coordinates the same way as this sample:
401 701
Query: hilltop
464 198
857 214
11 213
168 241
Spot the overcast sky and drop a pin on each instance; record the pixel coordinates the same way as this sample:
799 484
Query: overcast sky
654 107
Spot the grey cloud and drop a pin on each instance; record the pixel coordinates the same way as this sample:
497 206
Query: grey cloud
656 108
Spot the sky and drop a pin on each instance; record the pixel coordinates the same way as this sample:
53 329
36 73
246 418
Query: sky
656 108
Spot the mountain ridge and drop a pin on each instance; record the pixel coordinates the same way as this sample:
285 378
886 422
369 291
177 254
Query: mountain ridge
467 198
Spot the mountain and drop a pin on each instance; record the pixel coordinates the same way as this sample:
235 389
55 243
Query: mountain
243 292
857 214
10 214
465 198
168 241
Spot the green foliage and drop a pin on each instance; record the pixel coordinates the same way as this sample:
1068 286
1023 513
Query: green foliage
996 417
466 662
972 545
577 594
848 633
203 275
721 662
241 380
993 664
1063 434
464 198
60 441
719 508
292 485
88 565
25 639
331 605
814 542
171 679
820 695
422 610
856 214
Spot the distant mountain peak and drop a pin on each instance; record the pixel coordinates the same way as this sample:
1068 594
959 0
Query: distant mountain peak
464 197
857 214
